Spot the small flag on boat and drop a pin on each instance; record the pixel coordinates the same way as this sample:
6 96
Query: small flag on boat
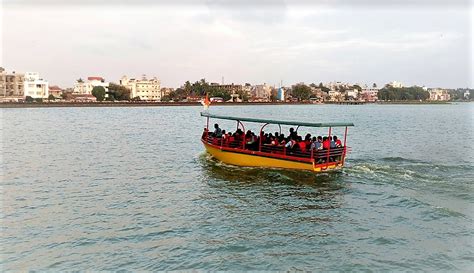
206 102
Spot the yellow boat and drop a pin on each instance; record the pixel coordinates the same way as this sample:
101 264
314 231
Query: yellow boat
239 152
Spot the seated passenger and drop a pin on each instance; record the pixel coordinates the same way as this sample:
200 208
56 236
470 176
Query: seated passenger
333 142
307 139
337 141
281 139
291 143
230 138
315 144
217 131
301 144
326 143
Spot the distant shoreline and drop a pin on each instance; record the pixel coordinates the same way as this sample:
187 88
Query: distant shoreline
148 104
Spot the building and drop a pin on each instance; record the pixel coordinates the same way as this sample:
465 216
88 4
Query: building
261 92
231 88
439 94
369 94
351 94
395 84
145 89
82 87
11 85
467 94
55 91
34 86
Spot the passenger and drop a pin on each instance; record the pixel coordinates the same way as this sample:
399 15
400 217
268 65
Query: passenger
320 141
307 140
326 143
301 144
333 142
269 139
315 144
281 139
224 135
230 139
291 143
293 133
217 131
337 141
274 141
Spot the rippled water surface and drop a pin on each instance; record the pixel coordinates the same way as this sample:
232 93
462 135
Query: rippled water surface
131 188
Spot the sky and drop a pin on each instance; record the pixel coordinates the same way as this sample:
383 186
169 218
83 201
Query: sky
416 42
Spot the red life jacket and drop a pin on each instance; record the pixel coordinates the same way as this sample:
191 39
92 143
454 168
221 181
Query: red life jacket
338 143
326 144
302 145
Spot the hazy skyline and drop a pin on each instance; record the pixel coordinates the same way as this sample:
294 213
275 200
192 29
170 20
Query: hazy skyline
420 42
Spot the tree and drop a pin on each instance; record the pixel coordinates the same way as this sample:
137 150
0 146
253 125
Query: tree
51 97
301 92
119 92
374 85
98 92
29 99
357 87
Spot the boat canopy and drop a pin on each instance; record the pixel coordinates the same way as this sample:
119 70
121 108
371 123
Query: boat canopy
284 122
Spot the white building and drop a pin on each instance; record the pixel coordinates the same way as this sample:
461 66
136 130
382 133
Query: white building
396 84
352 93
145 89
439 94
369 94
85 87
34 86
261 92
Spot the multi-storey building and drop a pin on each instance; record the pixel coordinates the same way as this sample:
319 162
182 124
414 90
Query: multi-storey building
261 92
369 94
11 85
82 87
439 94
145 89
34 86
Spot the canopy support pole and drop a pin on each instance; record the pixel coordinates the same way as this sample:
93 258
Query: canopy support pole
344 151
260 142
329 149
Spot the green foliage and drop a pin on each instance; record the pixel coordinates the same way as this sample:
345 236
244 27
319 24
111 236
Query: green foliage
201 88
357 87
51 97
39 99
404 93
301 92
98 92
374 85
458 94
119 92
29 99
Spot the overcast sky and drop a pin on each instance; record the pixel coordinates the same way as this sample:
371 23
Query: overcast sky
415 42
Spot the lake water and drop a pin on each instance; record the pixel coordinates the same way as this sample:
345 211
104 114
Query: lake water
131 188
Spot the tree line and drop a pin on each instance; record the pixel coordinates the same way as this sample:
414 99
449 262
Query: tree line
403 93
200 89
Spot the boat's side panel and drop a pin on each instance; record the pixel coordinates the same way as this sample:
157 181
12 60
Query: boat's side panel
246 160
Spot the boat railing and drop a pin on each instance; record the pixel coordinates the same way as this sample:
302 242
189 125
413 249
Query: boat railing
337 154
